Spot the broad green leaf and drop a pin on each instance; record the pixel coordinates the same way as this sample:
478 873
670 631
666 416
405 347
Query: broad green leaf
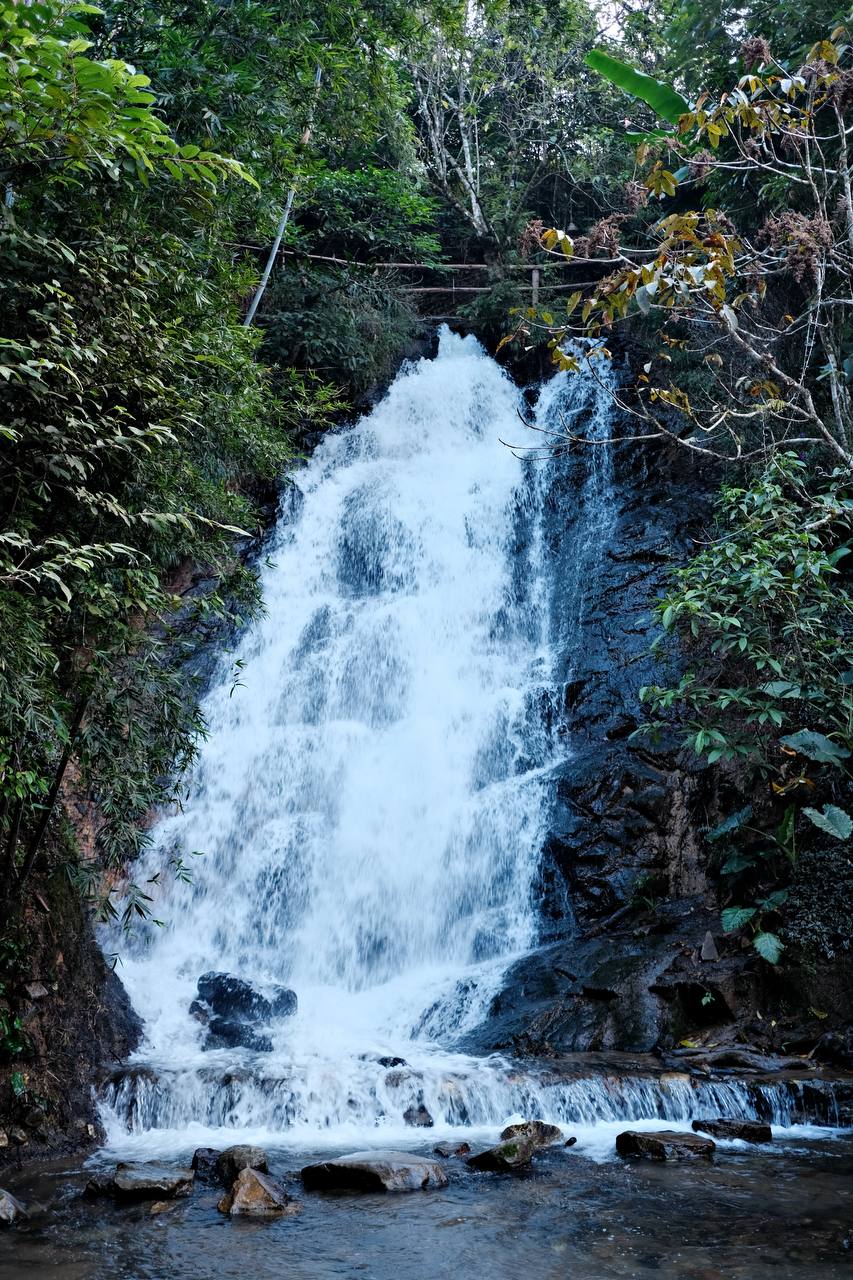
770 946
834 821
731 823
815 746
661 97
736 917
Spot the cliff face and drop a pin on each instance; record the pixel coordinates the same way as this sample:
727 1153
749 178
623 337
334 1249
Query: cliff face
75 1023
633 953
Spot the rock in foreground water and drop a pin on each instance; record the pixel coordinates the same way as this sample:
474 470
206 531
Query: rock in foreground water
234 1159
142 1182
746 1130
375 1171
448 1149
11 1210
536 1132
255 1194
205 1164
514 1154
665 1145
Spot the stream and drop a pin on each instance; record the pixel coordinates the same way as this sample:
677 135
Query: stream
364 827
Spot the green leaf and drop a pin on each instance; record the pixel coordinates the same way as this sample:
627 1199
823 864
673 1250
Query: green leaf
736 917
836 822
661 97
731 823
769 946
737 862
815 746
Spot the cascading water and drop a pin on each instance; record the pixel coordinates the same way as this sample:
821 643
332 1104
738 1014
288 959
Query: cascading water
372 802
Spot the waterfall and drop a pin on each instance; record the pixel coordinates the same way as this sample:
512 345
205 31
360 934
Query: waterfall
372 799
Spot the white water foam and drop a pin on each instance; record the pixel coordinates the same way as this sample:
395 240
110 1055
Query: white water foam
371 803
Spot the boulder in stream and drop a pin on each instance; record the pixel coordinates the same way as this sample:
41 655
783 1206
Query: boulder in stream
233 997
238 1000
255 1194
504 1158
148 1181
11 1210
536 1132
229 1033
418 1117
375 1171
205 1163
234 1159
666 1144
448 1149
746 1130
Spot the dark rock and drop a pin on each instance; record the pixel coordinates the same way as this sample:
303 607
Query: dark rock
142 1182
418 1117
234 1159
375 1171
228 1033
255 1194
667 1144
200 1012
536 1132
747 1130
233 997
11 1210
514 1154
447 1149
205 1164
836 1048
392 1062
570 1142
283 1002
709 948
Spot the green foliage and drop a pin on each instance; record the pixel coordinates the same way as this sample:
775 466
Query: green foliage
66 114
767 597
662 98
834 821
137 420
372 212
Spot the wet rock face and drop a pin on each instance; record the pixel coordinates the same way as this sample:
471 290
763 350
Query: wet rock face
836 1049
504 1158
256 1195
746 1130
11 1210
230 1033
142 1182
231 1008
665 1145
448 1149
205 1164
536 1132
392 1171
234 998
235 1159
418 1117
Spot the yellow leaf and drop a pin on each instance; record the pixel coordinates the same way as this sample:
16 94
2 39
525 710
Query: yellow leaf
573 300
